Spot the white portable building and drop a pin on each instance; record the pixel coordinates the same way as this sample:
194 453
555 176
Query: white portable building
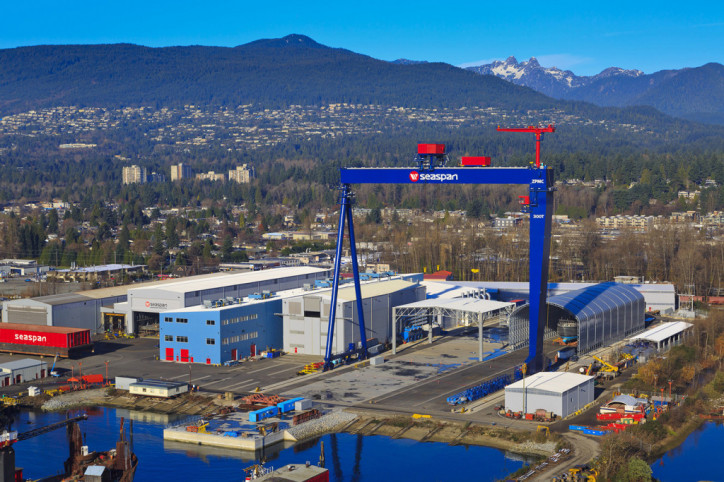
560 393
20 371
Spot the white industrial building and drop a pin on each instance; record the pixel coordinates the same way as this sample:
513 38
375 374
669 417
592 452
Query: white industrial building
559 392
306 317
73 310
657 296
666 335
20 371
145 304
445 290
124 383
135 307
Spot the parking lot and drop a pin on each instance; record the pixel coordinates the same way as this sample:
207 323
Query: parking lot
139 358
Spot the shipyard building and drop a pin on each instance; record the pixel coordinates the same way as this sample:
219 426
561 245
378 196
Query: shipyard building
135 308
231 329
560 393
71 310
145 305
657 296
306 317
595 316
222 331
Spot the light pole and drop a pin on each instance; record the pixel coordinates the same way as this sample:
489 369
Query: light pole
106 362
656 382
189 366
525 368
670 381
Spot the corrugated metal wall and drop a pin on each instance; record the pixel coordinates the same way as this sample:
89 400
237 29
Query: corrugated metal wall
606 313
27 315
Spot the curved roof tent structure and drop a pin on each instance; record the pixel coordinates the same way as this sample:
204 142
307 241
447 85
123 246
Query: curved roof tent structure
605 313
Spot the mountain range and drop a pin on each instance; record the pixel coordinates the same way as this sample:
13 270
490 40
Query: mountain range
297 70
273 72
691 93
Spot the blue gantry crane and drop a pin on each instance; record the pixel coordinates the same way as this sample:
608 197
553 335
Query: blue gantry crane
431 168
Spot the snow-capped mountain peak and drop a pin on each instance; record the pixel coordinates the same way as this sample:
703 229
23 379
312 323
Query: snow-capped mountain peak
548 80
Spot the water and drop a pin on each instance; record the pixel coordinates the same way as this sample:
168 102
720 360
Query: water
348 457
696 459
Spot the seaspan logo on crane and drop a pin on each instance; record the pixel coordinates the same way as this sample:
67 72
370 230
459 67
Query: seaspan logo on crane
439 177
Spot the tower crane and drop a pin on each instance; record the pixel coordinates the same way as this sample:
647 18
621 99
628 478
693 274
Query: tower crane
538 131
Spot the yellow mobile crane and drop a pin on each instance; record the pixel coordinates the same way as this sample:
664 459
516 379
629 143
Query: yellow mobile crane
606 367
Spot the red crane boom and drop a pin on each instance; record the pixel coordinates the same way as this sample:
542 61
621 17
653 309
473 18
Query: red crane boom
538 131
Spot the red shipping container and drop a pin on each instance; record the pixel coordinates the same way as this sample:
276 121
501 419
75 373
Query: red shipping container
716 300
482 161
95 378
431 148
41 335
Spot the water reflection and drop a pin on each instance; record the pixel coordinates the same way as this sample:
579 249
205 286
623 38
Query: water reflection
354 458
696 459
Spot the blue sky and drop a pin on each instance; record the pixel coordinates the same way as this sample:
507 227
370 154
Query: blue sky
585 37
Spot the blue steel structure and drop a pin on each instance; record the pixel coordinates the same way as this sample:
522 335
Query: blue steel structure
431 170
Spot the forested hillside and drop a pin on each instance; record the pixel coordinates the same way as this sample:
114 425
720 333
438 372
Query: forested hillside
298 110
279 72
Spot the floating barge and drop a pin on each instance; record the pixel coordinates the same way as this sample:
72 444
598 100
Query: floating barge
236 431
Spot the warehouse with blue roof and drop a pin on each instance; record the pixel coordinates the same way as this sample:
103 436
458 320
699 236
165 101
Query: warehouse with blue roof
595 316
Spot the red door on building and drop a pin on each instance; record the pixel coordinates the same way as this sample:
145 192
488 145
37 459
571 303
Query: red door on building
42 373
169 354
184 355
234 354
253 349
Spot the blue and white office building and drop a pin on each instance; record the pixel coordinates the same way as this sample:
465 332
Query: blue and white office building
216 333
235 328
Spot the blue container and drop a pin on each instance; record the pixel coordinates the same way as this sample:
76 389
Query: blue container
259 415
288 406
579 428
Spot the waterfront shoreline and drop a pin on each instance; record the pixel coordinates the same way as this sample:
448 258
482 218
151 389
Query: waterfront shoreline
424 430
452 433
